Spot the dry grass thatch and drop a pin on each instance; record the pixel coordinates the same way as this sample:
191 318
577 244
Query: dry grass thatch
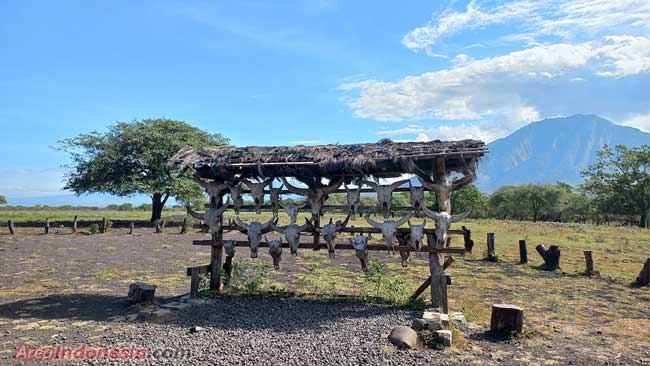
383 159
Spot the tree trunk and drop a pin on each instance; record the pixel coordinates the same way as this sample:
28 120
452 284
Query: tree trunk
158 201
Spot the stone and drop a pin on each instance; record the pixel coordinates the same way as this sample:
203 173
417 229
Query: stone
185 298
196 302
444 337
403 337
196 329
420 324
141 293
174 305
153 314
458 317
131 317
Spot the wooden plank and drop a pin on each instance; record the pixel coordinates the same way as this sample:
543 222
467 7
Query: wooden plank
361 230
438 278
204 269
427 282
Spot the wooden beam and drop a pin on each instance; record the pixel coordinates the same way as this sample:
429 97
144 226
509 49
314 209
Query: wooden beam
361 230
427 282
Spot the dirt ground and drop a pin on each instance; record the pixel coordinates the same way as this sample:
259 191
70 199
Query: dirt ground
64 288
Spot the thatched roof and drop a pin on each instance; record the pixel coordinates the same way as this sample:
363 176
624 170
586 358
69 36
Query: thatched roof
382 159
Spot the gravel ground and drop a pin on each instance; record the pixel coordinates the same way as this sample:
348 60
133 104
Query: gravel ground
278 331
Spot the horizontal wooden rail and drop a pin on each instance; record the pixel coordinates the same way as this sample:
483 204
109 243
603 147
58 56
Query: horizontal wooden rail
343 246
359 230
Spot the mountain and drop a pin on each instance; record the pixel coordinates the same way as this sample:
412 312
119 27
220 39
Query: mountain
552 150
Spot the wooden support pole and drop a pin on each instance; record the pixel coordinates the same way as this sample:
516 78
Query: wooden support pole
491 252
184 226
47 225
74 224
551 256
196 272
438 278
644 275
160 227
427 282
523 252
467 237
216 259
589 264
316 234
12 228
131 227
103 229
227 267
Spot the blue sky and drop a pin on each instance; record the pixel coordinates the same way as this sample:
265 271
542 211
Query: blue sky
270 73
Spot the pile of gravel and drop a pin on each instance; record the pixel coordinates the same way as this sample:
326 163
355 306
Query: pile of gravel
277 331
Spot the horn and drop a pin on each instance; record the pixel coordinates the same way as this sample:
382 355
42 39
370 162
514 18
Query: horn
461 217
373 222
267 224
333 187
196 215
432 214
369 183
403 220
294 189
345 222
277 229
398 183
425 183
240 223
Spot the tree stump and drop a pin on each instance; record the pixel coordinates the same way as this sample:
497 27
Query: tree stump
523 252
141 293
491 252
644 275
589 264
506 319
131 227
467 237
160 226
12 228
47 226
184 226
74 224
551 256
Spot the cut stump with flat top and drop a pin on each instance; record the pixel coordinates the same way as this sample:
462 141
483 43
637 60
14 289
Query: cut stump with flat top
644 275
141 293
506 319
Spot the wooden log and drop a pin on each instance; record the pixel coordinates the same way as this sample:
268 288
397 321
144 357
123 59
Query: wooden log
467 237
131 227
104 227
316 235
47 226
141 293
216 256
523 252
74 224
427 282
551 256
438 277
184 226
589 264
644 275
12 228
362 230
491 252
196 272
506 319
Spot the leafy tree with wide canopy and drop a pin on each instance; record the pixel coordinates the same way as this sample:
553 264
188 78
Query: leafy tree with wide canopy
129 158
3 200
619 182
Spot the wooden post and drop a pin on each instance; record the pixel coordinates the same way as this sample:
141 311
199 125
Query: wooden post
523 252
103 228
427 282
551 256
316 234
184 226
589 264
438 278
506 319
467 237
12 228
47 225
491 253
74 224
131 227
160 226
644 275
216 259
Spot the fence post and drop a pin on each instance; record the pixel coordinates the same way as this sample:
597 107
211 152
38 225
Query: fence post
47 225
491 253
131 226
12 228
103 228
589 263
74 224
523 252
644 275
184 226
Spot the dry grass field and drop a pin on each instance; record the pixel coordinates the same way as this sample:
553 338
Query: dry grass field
75 286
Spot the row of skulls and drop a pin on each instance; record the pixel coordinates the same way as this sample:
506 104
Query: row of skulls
316 196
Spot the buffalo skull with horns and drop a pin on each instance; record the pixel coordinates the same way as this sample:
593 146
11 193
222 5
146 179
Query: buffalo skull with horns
329 233
417 234
389 229
417 198
254 231
443 223
292 210
443 187
229 247
257 192
235 194
354 199
316 196
292 234
385 193
212 216
275 250
213 189
275 194
360 245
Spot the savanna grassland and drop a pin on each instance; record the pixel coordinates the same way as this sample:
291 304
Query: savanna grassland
75 285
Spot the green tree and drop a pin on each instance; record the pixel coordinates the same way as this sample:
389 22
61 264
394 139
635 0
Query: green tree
619 182
129 158
470 197
3 200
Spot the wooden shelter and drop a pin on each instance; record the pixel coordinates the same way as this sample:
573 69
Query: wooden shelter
431 161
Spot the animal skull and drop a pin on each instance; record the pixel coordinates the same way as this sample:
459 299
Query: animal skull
275 250
275 199
417 198
315 196
389 229
212 217
292 234
360 245
292 210
443 223
214 189
329 233
254 231
237 200
385 193
417 234
443 188
229 247
404 256
257 191
354 199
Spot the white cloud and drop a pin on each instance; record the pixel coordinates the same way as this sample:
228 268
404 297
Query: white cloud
32 183
638 120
